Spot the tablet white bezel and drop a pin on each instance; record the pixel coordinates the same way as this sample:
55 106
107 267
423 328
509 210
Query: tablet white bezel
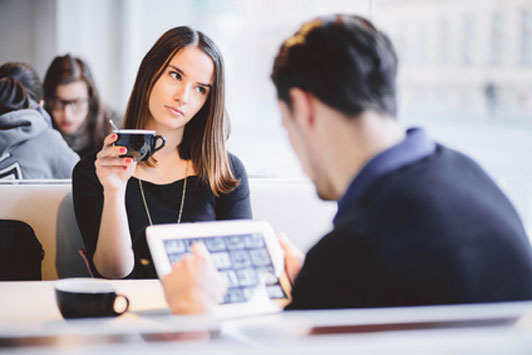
156 235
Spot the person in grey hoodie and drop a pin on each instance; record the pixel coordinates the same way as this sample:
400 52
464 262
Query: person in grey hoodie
31 81
29 147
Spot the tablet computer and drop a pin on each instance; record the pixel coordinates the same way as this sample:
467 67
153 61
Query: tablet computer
247 253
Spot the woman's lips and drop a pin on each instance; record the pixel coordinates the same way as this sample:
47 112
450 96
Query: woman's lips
67 127
174 110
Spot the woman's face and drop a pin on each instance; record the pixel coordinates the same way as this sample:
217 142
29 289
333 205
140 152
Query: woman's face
181 90
70 106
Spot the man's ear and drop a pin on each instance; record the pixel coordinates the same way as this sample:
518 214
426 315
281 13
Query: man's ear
302 106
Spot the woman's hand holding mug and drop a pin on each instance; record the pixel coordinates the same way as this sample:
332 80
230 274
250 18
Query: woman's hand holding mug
112 167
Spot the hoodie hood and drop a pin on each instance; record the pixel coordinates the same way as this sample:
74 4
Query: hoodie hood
18 126
35 105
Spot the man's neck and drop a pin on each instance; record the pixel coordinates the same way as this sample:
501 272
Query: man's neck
356 142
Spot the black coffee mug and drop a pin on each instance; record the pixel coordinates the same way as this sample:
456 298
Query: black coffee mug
86 297
140 143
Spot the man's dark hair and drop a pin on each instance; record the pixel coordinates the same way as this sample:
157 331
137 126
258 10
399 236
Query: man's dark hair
343 60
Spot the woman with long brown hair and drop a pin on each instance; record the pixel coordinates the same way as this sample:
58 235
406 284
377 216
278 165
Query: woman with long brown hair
73 101
179 92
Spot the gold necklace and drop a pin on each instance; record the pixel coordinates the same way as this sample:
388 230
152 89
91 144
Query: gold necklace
182 198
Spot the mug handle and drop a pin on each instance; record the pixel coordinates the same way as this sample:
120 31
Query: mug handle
125 308
163 142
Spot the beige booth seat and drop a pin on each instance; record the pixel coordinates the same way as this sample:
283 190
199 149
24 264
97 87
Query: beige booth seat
291 206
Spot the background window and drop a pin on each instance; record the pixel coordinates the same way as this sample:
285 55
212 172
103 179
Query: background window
465 69
526 38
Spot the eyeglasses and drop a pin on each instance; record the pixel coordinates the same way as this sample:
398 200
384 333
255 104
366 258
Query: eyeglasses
76 105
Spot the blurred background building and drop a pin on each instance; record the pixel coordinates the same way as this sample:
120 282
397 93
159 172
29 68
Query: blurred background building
469 58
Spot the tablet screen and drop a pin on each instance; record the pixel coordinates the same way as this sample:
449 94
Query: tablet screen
242 259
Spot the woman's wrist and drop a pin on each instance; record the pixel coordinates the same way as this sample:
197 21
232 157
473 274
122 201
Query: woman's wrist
114 192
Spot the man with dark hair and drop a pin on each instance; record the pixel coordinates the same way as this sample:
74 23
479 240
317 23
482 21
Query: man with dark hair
417 222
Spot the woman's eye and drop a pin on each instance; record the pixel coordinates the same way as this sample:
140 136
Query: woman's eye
175 75
201 90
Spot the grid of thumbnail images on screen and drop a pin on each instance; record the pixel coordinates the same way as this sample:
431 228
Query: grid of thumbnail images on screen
243 260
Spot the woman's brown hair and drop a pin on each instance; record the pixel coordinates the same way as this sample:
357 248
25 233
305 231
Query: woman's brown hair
205 135
68 69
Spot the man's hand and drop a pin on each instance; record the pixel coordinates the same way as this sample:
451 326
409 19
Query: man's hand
194 286
293 257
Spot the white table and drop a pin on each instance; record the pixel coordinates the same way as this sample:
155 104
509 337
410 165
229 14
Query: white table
35 300
31 323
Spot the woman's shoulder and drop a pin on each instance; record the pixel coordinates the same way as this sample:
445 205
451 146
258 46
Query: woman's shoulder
237 167
85 166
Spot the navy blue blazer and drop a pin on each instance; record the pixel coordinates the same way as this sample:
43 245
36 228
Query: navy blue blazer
437 231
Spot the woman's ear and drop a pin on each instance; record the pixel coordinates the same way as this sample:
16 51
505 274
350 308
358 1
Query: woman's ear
302 107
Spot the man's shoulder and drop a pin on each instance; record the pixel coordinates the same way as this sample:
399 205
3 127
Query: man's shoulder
445 168
446 156
443 158
445 194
